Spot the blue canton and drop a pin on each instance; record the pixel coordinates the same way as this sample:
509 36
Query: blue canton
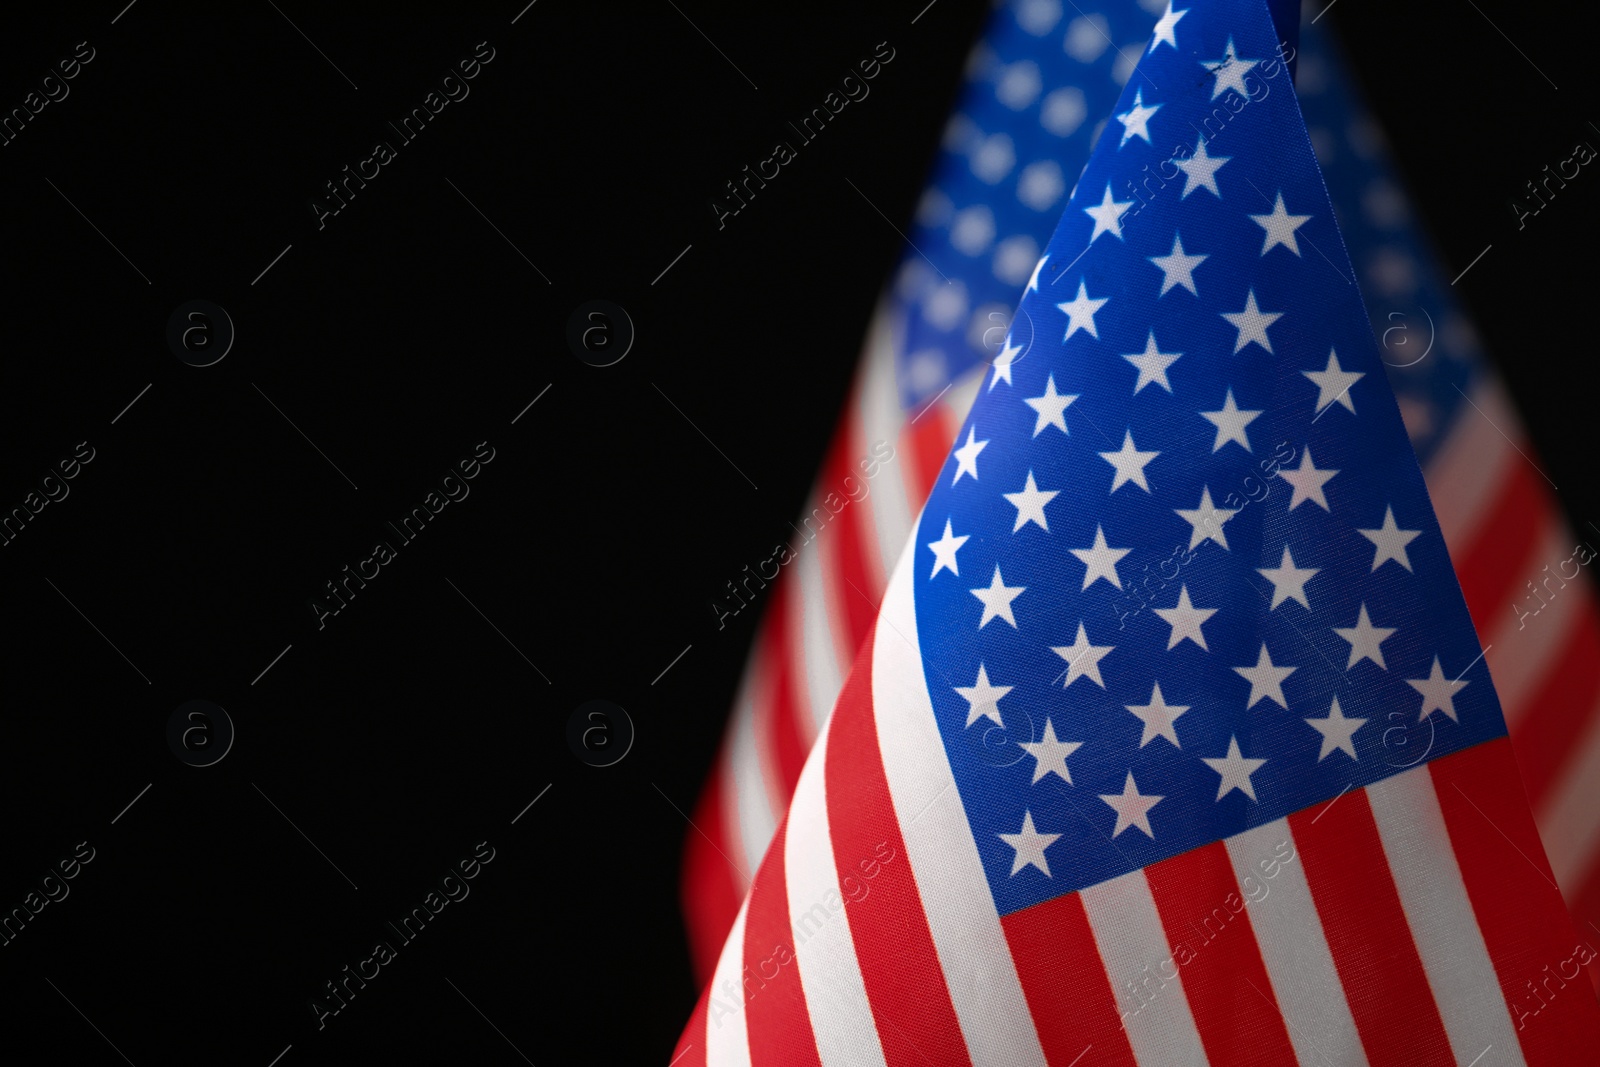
1181 576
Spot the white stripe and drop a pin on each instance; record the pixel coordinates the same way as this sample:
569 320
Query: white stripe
823 548
732 831
1289 932
841 1016
1466 474
756 820
1523 645
1443 925
862 512
1143 974
807 719
823 677
1570 820
727 1038
978 968
882 419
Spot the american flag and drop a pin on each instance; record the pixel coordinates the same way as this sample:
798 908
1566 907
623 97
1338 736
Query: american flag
1271 815
1034 83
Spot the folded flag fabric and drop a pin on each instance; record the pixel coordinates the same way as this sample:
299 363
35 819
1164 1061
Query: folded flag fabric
1035 82
1272 817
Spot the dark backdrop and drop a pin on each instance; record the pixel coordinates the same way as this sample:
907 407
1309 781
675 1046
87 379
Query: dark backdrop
411 332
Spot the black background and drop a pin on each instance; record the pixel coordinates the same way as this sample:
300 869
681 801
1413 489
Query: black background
428 713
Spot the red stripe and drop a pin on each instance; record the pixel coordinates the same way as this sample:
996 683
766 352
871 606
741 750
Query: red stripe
1525 925
900 968
1365 926
1583 901
786 733
1065 982
775 1003
1559 710
1214 947
710 886
1500 558
927 440
855 592
691 1048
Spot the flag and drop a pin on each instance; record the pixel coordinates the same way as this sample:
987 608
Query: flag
1034 81
1270 815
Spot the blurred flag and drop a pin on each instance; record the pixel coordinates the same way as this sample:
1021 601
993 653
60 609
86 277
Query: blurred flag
1272 816
1035 82
1523 570
1039 85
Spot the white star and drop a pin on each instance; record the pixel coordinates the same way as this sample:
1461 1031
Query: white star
1033 282
1030 845
1177 268
1158 717
1132 809
1136 120
1030 502
1288 581
1235 770
1164 28
1438 692
1107 215
1080 312
983 699
1185 620
1100 560
1002 363
1266 680
1391 541
1049 407
1083 659
1152 364
944 551
1308 482
1230 423
1206 520
997 600
1050 755
1366 640
1252 324
967 456
1333 384
1200 170
1230 71
1337 732
1130 463
1280 227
